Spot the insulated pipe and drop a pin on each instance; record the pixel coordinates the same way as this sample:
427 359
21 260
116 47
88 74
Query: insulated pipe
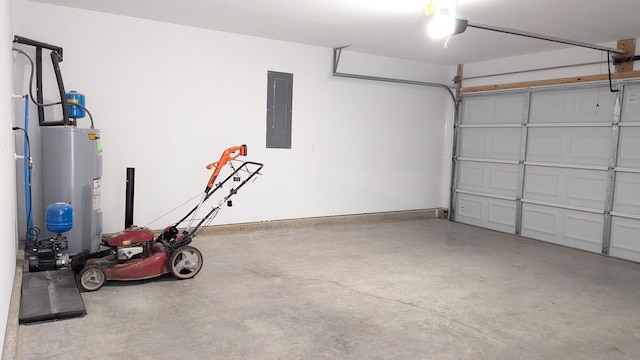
128 208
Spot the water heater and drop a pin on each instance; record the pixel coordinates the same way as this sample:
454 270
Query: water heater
71 173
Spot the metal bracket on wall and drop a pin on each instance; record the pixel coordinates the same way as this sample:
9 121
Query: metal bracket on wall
336 60
56 59
456 103
622 60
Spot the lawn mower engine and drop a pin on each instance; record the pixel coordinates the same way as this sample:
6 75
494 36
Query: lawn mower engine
130 243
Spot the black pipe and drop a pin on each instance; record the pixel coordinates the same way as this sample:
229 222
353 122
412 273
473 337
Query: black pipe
128 208
39 95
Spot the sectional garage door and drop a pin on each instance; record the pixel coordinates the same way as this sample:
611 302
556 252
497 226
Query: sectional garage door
560 165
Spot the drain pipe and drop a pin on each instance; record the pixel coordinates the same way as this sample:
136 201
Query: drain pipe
456 103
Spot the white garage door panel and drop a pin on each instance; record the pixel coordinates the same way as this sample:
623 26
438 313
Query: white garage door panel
625 238
625 231
488 178
496 214
577 229
631 104
581 146
584 188
627 194
565 187
571 106
505 109
503 143
629 147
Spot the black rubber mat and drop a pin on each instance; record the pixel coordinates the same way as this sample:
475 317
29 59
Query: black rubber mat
50 295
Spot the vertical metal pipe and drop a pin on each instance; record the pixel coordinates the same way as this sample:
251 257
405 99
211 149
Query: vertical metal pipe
128 211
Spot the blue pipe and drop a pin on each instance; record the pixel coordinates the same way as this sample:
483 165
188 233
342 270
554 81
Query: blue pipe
27 172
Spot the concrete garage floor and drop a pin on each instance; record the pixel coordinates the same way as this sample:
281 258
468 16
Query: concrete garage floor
403 289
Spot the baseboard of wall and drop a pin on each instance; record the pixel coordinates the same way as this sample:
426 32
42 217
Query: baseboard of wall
331 220
439 213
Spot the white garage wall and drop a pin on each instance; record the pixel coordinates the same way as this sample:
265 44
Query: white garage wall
169 99
7 169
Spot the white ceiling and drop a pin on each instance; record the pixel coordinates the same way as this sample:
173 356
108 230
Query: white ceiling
394 28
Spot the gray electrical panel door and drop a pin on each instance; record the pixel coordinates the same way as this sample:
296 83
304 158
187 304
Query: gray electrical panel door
71 173
279 102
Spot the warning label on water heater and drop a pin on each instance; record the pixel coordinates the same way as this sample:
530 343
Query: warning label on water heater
96 194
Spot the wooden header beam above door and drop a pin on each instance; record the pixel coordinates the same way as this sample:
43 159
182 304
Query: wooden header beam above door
622 71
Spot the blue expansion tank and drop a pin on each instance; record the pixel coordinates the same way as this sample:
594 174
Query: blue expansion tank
59 217
75 112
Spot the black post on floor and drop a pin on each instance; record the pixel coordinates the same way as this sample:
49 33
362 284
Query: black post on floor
128 210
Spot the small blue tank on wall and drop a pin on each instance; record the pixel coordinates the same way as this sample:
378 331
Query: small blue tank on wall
75 111
59 217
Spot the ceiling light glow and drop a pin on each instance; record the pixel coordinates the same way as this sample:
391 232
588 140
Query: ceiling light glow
441 26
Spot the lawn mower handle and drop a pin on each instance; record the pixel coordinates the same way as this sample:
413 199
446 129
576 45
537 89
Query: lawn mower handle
231 153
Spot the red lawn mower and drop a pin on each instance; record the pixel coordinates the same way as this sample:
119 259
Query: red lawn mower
134 253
